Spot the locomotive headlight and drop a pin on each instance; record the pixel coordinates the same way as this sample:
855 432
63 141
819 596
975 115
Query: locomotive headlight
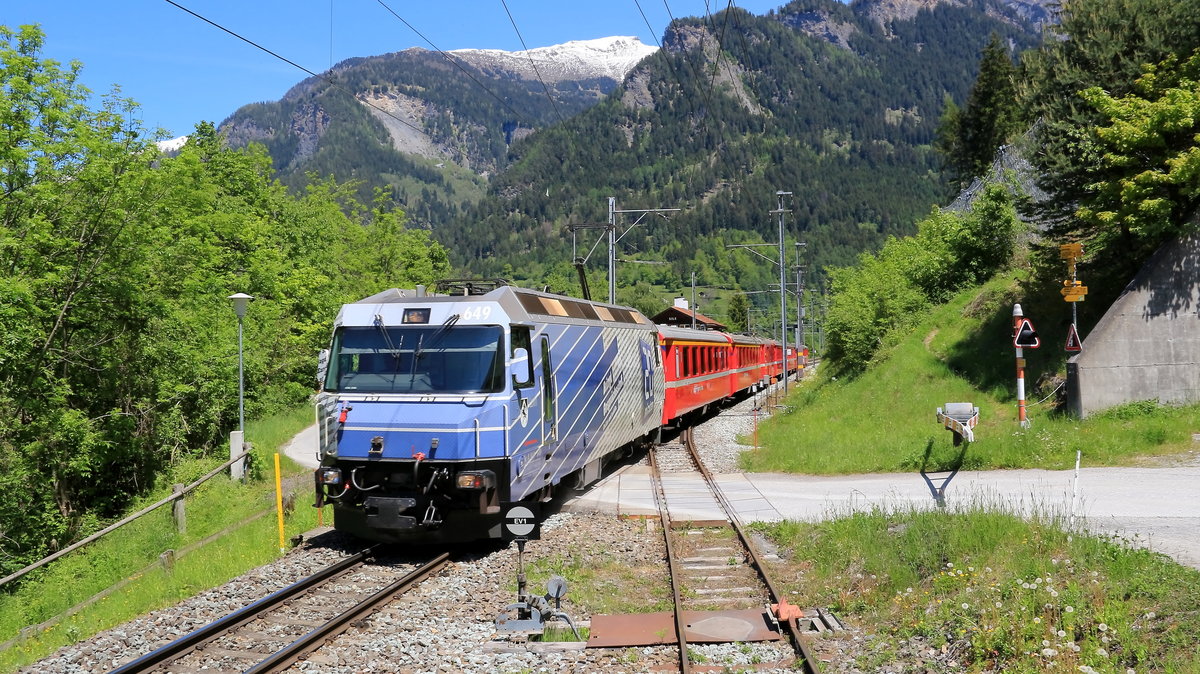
331 476
476 479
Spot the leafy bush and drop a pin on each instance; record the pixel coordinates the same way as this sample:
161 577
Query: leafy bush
886 291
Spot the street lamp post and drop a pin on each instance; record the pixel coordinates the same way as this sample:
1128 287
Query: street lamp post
240 300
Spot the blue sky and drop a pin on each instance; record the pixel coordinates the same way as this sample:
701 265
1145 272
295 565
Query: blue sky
182 70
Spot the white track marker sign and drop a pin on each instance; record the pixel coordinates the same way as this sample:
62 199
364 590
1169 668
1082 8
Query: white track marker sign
520 522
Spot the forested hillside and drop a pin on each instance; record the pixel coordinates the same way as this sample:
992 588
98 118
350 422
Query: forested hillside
456 122
119 353
837 104
1107 112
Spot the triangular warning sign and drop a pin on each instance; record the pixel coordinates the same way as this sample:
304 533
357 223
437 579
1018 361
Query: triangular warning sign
1026 337
1073 343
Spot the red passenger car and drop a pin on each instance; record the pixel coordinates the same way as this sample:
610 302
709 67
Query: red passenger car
750 363
695 366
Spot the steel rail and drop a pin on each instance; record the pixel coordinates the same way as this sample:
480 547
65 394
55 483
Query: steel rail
660 499
315 639
197 638
798 641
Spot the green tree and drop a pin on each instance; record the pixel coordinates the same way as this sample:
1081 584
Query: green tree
968 138
119 350
948 141
642 297
1150 153
739 312
887 291
1104 43
72 180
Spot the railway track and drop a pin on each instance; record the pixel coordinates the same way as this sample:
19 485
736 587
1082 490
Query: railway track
273 633
713 563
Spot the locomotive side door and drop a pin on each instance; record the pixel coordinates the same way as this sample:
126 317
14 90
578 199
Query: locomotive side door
534 422
525 421
549 403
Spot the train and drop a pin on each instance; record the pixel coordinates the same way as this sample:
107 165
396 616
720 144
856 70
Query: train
438 411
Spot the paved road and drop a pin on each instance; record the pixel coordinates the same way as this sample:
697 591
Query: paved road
303 448
1157 507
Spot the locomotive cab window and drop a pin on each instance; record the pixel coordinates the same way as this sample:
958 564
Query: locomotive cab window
522 368
424 359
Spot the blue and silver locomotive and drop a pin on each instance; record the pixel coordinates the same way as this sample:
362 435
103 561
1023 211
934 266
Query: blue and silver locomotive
438 409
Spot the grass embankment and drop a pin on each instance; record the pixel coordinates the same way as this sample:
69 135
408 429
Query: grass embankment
979 589
884 419
986 591
130 555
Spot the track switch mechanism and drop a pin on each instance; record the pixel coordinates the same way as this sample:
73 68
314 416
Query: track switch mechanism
530 612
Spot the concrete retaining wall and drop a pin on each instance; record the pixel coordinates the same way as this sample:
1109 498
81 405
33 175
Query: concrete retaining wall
1147 346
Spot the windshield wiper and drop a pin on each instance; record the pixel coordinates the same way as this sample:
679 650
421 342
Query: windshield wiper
439 334
387 338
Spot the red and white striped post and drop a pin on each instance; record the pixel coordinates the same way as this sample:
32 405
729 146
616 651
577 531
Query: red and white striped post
1021 415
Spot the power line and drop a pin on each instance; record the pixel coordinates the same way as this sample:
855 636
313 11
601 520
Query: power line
687 60
716 64
741 33
531 61
720 52
667 59
454 62
326 78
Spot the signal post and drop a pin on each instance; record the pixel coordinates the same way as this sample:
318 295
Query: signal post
1073 291
1023 336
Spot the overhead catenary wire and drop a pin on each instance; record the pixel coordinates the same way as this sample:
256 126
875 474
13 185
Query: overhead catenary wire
666 59
716 62
703 119
328 79
720 51
454 62
741 33
536 72
687 60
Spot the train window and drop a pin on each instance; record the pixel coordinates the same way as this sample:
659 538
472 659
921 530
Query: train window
417 359
548 414
522 372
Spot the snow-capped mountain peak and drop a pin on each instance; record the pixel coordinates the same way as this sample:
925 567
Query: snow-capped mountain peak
172 145
610 57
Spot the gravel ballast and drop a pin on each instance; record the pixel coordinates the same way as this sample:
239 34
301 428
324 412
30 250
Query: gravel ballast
446 623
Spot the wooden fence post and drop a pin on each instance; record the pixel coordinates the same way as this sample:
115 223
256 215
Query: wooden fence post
178 509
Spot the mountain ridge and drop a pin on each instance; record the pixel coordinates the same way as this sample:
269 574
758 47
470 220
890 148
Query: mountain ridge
612 57
835 102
